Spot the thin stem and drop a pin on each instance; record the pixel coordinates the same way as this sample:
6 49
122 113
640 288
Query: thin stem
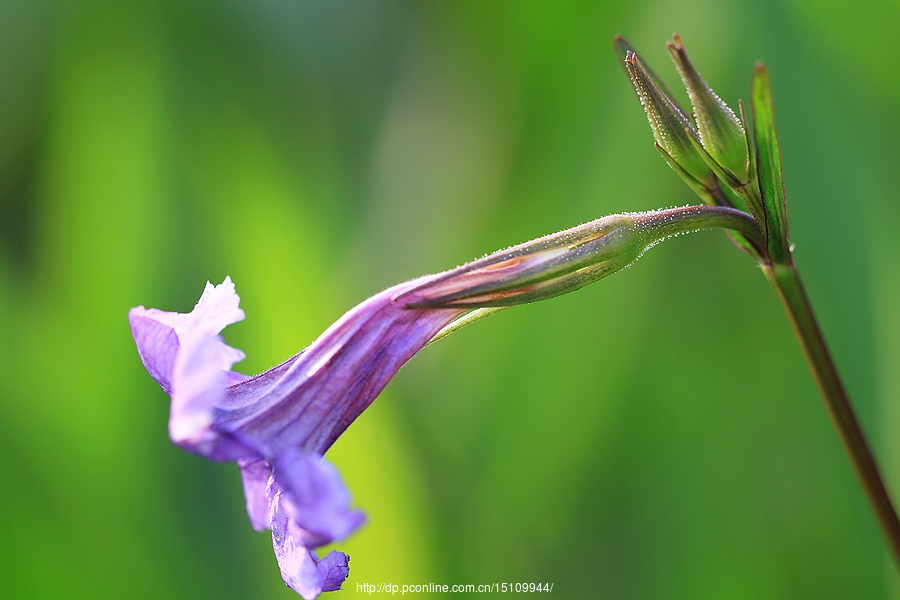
786 281
673 221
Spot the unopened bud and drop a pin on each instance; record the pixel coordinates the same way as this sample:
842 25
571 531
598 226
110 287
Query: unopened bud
671 127
565 261
721 132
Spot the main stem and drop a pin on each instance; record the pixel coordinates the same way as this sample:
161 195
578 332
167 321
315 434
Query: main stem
786 281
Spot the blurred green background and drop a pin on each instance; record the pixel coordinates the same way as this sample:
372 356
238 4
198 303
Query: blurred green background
655 435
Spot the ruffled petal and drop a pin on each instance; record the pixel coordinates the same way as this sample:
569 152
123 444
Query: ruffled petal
198 383
333 569
300 567
185 354
315 498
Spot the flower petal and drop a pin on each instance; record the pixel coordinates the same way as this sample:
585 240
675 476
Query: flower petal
197 378
255 474
157 344
334 569
300 567
315 498
185 354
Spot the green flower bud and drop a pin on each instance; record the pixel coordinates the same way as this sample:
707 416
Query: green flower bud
721 132
672 130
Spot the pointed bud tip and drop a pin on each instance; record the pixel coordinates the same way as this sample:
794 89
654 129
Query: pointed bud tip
760 76
677 51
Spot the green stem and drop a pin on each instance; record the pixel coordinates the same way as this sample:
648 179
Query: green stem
786 281
673 221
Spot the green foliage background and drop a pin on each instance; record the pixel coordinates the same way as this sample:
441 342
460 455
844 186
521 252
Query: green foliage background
652 436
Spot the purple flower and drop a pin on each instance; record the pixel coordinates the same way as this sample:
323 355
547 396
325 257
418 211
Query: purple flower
277 425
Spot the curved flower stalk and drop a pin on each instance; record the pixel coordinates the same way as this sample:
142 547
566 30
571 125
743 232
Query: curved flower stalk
278 424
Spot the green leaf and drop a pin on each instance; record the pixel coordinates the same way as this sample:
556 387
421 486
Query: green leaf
768 165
